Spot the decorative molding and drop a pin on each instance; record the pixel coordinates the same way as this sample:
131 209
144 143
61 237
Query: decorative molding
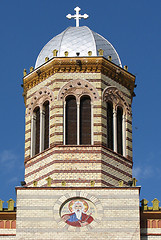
113 95
79 65
38 99
78 88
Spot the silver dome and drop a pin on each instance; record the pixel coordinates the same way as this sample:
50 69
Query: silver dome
78 39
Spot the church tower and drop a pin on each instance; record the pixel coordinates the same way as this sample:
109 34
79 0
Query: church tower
78 142
78 113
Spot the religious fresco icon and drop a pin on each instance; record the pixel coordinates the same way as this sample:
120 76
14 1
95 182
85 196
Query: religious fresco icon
79 212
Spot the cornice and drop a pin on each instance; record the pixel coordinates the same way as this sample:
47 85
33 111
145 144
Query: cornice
96 147
77 188
79 65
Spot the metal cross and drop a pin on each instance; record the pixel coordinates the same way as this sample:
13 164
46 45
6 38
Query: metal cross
77 16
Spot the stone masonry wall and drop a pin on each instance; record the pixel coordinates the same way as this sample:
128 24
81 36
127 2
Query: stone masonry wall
78 166
115 214
55 83
8 234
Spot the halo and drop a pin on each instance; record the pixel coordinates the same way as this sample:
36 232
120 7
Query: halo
70 206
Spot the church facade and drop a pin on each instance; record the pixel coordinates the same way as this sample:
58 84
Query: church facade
78 147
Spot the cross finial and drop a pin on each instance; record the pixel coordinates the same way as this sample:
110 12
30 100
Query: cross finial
77 16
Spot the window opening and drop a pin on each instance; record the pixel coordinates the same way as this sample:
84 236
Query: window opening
37 130
119 130
46 125
85 120
71 121
110 125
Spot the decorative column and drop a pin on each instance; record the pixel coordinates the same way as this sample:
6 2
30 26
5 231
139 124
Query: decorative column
78 123
64 123
49 123
115 129
92 124
42 128
33 134
124 134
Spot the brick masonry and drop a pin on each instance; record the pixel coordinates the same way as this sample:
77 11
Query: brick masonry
55 83
7 234
106 174
78 166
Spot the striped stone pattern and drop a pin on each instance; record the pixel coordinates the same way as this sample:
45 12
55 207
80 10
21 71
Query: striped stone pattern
62 163
55 83
78 166
106 82
115 168
150 233
38 214
7 234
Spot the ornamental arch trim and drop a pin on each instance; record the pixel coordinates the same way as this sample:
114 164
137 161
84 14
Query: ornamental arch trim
112 94
78 88
39 98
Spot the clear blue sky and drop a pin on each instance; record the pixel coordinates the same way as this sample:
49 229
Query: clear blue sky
134 29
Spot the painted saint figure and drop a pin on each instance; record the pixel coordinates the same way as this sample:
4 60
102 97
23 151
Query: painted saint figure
78 217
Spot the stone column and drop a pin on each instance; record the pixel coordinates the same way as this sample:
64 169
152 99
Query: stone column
49 123
42 128
33 134
64 123
115 129
124 134
92 124
78 124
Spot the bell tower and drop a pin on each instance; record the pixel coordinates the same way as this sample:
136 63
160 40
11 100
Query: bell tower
78 112
78 141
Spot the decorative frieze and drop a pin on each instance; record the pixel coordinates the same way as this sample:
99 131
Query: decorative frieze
79 65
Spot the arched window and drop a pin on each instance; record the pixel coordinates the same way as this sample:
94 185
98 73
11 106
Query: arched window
71 120
110 125
85 120
40 129
46 124
119 130
36 129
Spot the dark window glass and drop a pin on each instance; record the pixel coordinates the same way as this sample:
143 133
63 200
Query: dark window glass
110 125
71 120
85 120
46 125
37 130
119 130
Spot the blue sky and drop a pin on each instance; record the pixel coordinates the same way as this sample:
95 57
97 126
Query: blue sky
134 29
